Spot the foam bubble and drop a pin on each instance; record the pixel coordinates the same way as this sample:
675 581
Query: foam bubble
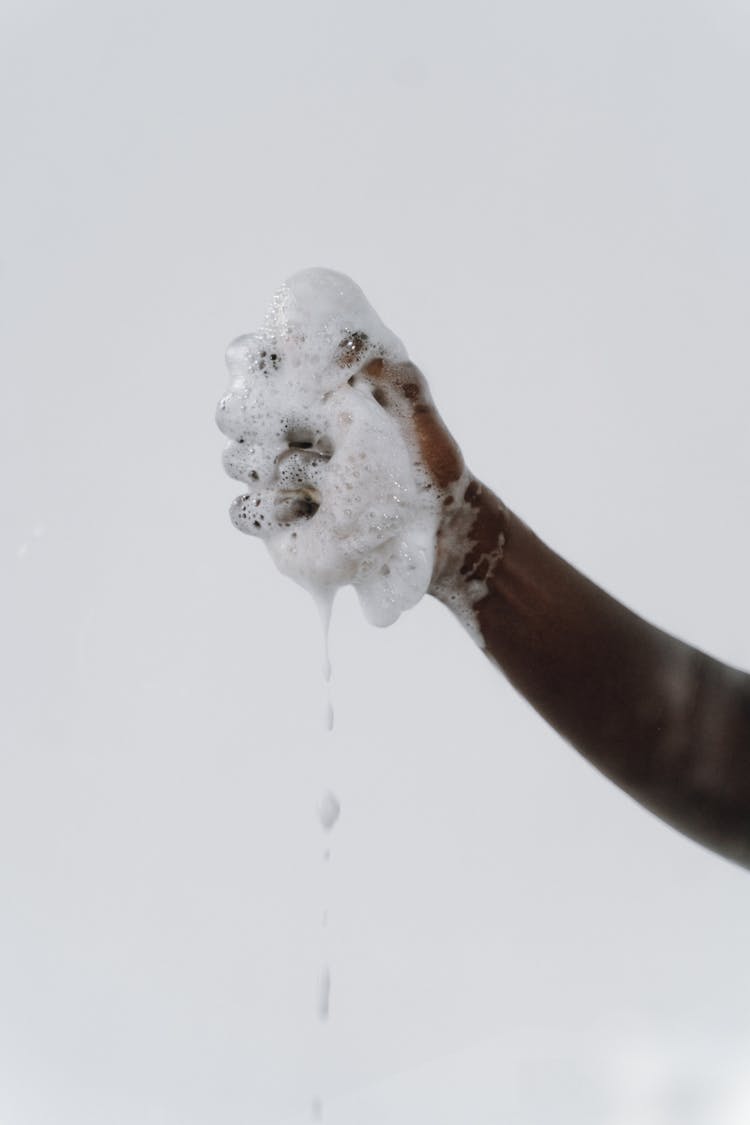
333 487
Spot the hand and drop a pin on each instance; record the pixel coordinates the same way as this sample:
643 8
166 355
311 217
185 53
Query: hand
402 390
351 468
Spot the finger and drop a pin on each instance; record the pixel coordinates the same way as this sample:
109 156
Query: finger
301 468
402 389
270 511
248 463
253 513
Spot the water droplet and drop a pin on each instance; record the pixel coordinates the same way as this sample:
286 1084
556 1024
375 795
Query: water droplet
329 810
324 600
324 994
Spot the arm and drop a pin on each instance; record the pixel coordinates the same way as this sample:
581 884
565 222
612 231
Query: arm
664 721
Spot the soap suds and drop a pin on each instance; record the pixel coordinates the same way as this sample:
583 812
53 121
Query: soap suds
334 488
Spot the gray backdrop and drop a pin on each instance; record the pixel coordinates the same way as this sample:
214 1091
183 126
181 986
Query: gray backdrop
549 203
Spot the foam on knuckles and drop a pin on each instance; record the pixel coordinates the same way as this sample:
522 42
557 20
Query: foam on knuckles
335 486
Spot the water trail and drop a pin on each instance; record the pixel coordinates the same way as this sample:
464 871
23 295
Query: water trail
324 994
329 810
324 596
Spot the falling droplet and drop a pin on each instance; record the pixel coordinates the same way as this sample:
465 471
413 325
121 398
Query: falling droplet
324 994
324 600
329 810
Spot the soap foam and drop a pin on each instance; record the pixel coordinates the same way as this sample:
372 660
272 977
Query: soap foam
334 489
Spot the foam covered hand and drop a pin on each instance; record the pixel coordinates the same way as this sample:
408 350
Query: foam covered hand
348 466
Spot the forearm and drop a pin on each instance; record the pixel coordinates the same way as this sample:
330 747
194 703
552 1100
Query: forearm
667 723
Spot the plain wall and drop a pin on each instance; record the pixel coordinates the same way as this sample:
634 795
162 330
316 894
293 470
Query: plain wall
548 203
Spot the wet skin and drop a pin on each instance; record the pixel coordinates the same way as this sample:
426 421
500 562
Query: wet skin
667 723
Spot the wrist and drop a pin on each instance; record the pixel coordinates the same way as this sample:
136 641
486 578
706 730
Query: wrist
470 546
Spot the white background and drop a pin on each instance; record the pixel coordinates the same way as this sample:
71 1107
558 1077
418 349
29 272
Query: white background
549 204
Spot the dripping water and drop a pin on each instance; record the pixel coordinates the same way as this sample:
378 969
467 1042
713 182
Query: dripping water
324 596
324 994
329 809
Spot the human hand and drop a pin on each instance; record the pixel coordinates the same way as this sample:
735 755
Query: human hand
349 465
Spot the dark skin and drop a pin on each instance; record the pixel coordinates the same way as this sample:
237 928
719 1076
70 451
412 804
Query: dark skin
664 721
